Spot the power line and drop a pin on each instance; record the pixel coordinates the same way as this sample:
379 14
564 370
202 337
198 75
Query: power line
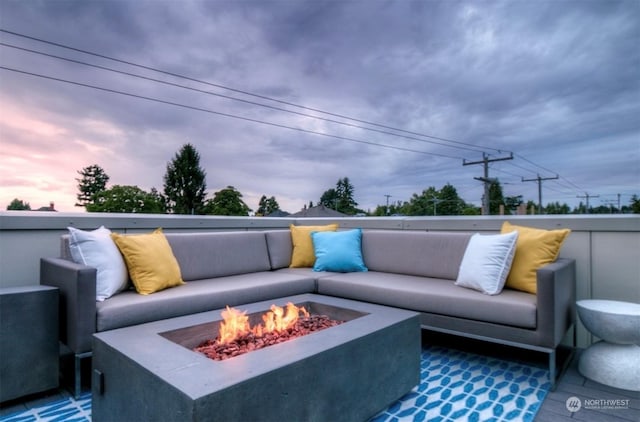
545 169
244 92
219 113
476 149
532 163
454 144
506 172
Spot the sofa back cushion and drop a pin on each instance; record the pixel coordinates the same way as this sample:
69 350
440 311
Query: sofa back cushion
218 254
280 248
427 254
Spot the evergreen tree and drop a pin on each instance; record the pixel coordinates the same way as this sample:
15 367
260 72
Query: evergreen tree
93 181
267 206
581 209
227 201
557 208
184 182
341 198
635 204
18 205
496 197
344 193
329 199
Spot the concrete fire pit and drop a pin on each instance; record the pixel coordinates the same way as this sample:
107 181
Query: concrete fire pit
344 373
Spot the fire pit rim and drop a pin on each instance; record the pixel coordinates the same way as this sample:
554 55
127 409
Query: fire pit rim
146 346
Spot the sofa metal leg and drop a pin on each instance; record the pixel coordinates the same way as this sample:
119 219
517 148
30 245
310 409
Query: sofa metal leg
77 373
557 371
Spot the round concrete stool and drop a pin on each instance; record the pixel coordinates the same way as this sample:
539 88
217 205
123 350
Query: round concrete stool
614 361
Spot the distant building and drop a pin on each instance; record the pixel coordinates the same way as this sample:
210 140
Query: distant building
318 211
278 213
51 207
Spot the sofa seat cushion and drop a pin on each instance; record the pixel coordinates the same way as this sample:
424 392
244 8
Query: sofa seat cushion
129 308
307 272
432 295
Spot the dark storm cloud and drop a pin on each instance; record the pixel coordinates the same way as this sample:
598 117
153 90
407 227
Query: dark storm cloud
555 82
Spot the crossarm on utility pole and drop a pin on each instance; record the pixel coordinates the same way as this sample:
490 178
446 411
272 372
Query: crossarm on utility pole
486 179
539 180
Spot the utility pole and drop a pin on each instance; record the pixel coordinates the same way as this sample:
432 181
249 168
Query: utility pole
388 196
539 180
486 180
587 196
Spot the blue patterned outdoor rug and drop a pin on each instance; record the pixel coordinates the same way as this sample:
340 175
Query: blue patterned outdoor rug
454 386
61 409
461 386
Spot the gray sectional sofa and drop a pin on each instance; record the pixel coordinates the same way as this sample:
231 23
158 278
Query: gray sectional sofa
407 269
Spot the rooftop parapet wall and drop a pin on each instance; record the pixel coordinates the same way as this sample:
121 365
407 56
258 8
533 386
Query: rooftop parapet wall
606 247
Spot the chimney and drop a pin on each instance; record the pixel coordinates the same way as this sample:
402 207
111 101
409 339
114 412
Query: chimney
52 206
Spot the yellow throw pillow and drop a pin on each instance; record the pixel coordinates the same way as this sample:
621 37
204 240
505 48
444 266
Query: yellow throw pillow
303 253
535 248
150 261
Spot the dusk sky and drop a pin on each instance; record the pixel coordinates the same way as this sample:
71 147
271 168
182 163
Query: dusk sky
402 93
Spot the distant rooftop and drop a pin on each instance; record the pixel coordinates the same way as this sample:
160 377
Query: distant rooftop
318 211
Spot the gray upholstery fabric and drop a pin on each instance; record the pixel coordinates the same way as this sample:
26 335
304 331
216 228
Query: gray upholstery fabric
425 254
130 308
305 272
408 269
77 287
218 254
280 248
433 295
556 300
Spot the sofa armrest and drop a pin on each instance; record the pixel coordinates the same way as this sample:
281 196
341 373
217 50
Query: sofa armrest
556 300
77 286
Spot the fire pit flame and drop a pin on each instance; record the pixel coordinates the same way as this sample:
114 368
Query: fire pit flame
236 336
236 324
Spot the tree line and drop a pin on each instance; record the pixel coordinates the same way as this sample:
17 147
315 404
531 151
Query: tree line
184 192
446 201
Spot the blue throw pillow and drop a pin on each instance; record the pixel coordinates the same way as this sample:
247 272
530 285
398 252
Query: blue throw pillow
338 251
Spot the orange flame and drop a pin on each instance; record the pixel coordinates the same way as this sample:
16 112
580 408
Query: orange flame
236 324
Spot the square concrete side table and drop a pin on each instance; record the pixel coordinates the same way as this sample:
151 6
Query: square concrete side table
29 351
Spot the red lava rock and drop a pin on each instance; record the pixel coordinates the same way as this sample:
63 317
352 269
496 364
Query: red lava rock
249 342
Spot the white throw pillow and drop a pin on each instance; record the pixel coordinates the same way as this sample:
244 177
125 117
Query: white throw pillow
487 261
97 249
